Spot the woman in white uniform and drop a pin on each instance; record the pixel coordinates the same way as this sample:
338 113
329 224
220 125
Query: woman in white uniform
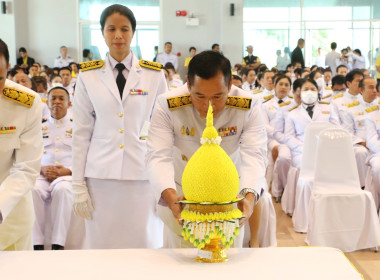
113 103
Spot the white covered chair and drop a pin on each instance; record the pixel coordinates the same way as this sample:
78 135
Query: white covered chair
341 215
289 194
372 187
306 175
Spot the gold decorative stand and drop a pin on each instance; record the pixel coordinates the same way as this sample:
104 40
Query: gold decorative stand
213 252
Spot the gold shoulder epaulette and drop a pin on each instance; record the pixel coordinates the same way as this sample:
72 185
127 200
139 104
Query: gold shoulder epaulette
237 102
324 102
291 109
179 101
257 91
44 100
89 65
291 96
371 109
338 96
18 96
152 65
268 97
327 96
284 103
353 104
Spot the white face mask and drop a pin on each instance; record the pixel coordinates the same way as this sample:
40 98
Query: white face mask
56 85
320 82
309 96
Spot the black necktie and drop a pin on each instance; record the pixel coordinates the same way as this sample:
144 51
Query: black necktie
309 110
120 79
250 86
280 101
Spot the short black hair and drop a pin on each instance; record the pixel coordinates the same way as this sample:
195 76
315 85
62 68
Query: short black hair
247 70
313 73
298 83
53 88
337 80
40 80
22 49
328 69
192 48
52 77
169 65
120 9
340 66
333 45
208 64
310 81
289 65
280 77
168 43
351 76
358 51
361 83
4 51
214 45
236 77
64 68
300 40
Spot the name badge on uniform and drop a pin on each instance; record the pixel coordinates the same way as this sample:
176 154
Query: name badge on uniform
227 131
138 92
7 129
325 112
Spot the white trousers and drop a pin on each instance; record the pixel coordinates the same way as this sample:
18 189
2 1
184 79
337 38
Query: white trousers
59 192
280 170
361 155
124 216
375 182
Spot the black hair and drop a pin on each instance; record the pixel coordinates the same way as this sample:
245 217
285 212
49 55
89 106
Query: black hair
168 43
214 45
260 75
289 65
22 49
280 77
40 80
262 68
68 94
71 63
340 66
298 83
192 48
120 9
207 65
328 69
310 81
86 52
236 77
351 76
169 65
361 83
300 41
64 68
333 45
247 70
313 73
53 76
358 51
4 51
337 80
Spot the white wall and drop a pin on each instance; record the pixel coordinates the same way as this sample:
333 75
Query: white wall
215 26
41 26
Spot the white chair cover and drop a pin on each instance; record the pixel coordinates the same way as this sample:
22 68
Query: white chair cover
370 186
305 180
341 215
289 194
267 228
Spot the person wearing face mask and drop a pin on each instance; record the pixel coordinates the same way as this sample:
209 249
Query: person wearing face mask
354 122
113 103
310 110
178 122
249 84
54 182
279 153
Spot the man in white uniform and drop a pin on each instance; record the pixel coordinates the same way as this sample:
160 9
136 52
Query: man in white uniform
20 154
54 183
167 56
178 122
63 60
331 58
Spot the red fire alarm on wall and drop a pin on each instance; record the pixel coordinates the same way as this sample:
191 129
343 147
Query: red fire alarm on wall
179 13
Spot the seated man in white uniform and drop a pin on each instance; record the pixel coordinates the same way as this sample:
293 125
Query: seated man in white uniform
249 84
341 102
54 183
354 122
267 86
177 124
310 110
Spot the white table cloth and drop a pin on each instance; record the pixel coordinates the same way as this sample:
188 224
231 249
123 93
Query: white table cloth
264 263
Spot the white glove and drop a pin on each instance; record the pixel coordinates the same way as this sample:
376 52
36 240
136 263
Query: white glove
82 205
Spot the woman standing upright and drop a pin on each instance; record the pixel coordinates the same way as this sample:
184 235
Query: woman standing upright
113 103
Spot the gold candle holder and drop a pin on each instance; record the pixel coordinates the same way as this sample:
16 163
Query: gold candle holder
213 252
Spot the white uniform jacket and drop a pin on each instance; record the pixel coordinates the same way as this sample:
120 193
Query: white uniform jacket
298 119
354 119
107 131
174 136
20 157
341 101
278 122
372 124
